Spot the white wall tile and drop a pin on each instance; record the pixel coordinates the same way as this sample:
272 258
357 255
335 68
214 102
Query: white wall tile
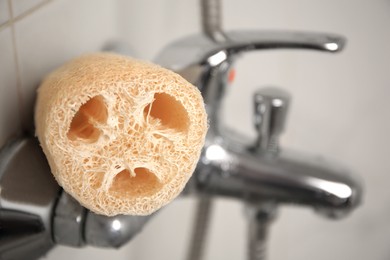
57 32
19 7
9 109
148 25
65 253
4 11
167 238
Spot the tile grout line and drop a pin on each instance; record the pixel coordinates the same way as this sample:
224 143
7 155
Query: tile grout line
30 11
5 25
17 68
12 19
11 24
9 21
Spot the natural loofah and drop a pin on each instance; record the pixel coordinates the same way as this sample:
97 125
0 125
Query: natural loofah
121 136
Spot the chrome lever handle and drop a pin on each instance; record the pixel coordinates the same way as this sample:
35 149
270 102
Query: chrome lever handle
198 49
244 41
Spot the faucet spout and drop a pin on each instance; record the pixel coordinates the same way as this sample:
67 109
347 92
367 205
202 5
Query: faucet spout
287 178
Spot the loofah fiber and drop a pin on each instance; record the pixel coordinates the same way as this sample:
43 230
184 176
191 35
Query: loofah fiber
121 136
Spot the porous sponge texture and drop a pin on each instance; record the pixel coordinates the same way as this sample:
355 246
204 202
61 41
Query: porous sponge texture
121 136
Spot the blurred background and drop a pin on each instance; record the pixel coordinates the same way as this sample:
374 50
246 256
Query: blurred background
340 109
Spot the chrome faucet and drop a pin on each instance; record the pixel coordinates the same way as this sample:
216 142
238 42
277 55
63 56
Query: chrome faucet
235 166
258 171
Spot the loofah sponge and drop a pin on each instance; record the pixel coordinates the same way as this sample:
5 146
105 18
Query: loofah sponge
121 136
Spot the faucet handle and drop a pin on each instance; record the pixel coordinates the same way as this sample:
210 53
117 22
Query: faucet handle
270 112
200 49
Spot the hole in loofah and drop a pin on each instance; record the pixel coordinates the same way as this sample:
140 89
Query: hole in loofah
169 111
83 124
143 183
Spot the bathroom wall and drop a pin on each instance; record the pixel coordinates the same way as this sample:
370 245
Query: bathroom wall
340 108
36 36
